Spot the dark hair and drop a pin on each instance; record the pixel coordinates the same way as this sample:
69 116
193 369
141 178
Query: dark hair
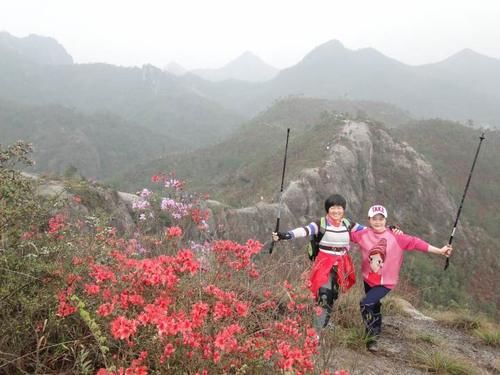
335 200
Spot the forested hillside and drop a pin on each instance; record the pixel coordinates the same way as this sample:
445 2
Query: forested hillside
246 170
450 148
97 145
225 168
123 125
146 96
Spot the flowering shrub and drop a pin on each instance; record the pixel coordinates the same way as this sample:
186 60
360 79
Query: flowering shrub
174 206
172 310
193 308
18 207
57 224
171 299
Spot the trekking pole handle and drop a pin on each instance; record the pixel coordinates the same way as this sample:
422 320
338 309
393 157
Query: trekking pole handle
276 230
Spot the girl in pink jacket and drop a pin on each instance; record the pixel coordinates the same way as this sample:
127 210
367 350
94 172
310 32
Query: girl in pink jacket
382 256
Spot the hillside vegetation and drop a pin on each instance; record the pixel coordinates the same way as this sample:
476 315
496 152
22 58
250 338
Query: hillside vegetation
247 168
97 145
144 304
225 169
450 148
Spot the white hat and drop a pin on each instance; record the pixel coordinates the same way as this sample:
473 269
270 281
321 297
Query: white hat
377 209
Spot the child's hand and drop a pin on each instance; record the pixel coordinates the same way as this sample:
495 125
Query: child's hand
446 250
396 229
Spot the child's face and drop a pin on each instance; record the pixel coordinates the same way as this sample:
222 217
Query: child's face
378 223
336 213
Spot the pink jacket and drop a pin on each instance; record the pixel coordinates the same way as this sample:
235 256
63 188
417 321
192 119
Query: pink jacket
382 254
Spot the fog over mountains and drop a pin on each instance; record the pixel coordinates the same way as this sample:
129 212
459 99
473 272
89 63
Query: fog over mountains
460 88
188 112
224 132
464 86
36 48
247 67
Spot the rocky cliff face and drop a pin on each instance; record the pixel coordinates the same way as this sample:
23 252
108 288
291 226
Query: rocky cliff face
91 198
367 166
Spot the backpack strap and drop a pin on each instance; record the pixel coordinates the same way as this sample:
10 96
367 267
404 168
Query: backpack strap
322 226
349 224
321 230
313 246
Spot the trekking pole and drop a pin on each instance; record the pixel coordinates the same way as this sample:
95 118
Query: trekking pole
481 139
281 191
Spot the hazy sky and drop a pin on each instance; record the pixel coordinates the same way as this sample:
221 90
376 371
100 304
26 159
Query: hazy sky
210 33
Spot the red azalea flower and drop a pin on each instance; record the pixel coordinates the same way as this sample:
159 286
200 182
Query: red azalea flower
173 232
122 328
105 309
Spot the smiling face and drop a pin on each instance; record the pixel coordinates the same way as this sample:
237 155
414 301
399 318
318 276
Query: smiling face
378 223
336 213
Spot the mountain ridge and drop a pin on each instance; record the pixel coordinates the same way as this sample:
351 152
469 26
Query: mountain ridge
35 48
246 67
461 90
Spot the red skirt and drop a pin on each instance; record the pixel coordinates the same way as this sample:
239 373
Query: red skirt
320 273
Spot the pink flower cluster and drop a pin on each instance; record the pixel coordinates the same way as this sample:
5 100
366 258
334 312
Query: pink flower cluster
137 367
64 307
173 232
57 224
178 210
165 301
169 181
236 256
183 317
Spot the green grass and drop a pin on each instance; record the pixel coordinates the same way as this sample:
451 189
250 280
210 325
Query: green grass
427 338
353 337
460 319
442 363
490 335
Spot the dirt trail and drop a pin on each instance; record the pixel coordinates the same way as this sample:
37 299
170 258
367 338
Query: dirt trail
409 340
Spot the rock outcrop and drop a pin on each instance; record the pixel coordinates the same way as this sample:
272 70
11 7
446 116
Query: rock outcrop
366 165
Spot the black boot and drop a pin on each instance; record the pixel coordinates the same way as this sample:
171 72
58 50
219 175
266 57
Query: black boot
377 319
376 328
373 324
325 300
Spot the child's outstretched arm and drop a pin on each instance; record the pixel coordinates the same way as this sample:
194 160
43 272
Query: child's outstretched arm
445 250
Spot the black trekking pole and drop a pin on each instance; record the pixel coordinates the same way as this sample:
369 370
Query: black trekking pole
481 139
281 191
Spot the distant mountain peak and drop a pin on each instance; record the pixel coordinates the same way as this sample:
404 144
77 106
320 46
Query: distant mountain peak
469 58
246 67
334 48
175 68
248 55
334 43
37 48
247 58
468 54
331 49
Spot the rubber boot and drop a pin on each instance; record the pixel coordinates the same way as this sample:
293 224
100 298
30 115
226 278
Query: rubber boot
373 324
321 321
377 320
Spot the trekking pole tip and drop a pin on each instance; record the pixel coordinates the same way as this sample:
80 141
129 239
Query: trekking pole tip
271 247
447 263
